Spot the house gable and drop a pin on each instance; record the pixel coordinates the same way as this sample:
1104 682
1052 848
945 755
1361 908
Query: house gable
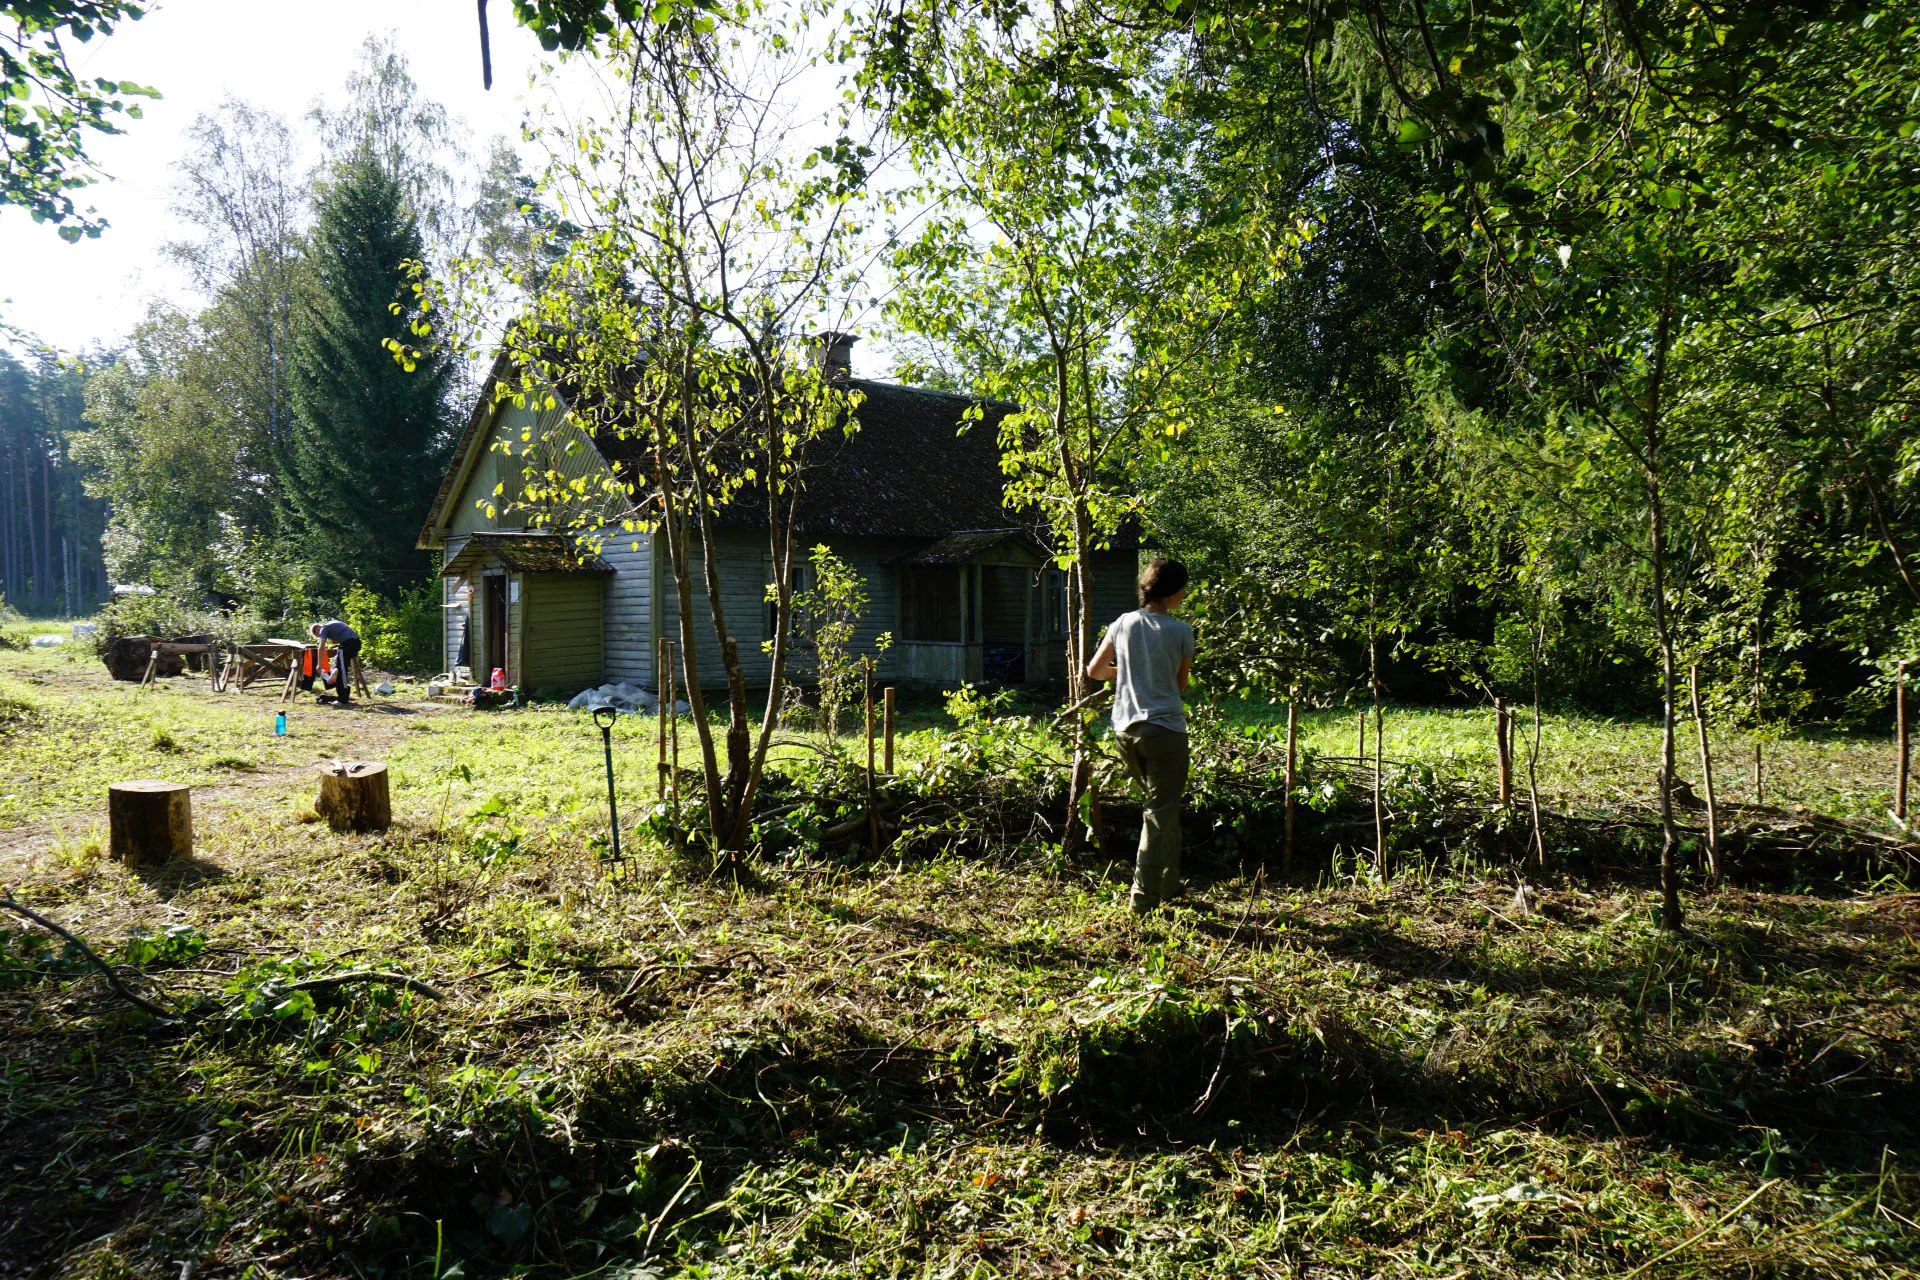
486 484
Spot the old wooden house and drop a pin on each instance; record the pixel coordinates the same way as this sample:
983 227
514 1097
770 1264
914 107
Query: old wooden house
910 500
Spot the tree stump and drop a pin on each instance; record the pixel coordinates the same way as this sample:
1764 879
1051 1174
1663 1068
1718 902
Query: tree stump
149 822
353 796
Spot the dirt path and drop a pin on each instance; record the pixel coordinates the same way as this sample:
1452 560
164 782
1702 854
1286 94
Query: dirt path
372 729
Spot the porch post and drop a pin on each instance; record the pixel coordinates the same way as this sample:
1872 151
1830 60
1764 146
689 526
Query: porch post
977 671
1026 635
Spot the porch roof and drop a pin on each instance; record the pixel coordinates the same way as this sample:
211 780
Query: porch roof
525 553
970 545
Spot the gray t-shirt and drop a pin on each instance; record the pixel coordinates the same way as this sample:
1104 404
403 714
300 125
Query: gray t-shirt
1148 648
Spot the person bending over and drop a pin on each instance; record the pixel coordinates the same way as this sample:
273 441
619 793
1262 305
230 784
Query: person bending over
1149 654
346 649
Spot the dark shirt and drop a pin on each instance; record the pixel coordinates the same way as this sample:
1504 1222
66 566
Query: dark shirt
337 632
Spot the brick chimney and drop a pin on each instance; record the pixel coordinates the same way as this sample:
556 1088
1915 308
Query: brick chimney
833 353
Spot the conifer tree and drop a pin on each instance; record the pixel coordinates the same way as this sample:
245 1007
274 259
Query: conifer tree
369 438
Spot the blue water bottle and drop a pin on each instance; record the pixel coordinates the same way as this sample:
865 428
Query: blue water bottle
280 724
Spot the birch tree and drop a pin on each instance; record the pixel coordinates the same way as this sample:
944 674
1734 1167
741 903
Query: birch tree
710 223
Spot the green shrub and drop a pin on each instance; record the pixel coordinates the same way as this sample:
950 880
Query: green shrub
401 634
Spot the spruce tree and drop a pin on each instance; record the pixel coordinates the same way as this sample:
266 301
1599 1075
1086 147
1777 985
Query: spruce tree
369 437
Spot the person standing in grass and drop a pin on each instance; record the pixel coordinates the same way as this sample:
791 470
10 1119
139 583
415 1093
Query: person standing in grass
1149 655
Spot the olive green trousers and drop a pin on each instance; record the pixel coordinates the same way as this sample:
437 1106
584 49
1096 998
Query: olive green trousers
1157 758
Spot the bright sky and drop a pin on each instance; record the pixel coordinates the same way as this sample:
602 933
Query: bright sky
278 54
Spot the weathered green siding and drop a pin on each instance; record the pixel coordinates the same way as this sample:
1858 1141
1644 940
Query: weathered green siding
629 606
497 477
745 572
561 630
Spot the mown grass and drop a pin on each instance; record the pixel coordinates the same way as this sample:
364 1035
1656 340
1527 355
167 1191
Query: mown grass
927 1064
67 734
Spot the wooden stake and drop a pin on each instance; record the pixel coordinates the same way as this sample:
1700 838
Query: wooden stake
662 710
1293 738
1379 805
1503 748
673 741
873 813
1759 788
1706 776
1902 747
1362 752
887 702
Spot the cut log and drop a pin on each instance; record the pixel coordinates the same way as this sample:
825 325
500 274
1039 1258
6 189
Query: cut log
353 796
196 654
149 822
126 659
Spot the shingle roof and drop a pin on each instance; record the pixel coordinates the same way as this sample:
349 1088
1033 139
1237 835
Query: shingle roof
527 553
909 471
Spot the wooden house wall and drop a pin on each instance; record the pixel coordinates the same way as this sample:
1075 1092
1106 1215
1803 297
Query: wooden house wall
629 618
1116 586
456 608
867 557
745 571
497 478
516 632
1115 574
494 479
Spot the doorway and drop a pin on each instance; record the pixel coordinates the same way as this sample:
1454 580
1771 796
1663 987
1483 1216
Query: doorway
494 627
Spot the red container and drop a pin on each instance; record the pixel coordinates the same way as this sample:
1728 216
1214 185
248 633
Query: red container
499 681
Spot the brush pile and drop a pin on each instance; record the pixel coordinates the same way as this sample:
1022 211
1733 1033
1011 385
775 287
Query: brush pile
996 786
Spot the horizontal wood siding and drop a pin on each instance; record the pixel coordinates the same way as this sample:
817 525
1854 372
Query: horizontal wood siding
867 557
629 638
746 571
562 630
455 592
742 554
498 469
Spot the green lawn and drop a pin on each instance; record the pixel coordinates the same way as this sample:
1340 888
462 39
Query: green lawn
924 1065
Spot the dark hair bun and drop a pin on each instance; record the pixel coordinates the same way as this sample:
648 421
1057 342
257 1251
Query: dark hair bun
1161 579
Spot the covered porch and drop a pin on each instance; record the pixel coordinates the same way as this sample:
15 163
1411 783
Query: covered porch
531 604
971 609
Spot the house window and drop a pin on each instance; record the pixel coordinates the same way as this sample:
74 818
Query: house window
804 580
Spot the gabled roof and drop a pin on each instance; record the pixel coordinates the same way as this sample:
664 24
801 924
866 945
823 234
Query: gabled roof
909 471
525 553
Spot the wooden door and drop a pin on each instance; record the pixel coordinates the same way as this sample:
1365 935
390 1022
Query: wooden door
495 628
